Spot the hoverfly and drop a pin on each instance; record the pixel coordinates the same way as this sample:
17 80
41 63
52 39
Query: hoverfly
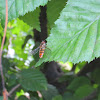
41 49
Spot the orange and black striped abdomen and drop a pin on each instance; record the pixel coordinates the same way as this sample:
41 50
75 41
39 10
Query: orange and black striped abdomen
42 49
41 52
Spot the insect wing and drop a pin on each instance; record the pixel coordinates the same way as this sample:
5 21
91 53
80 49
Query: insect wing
35 51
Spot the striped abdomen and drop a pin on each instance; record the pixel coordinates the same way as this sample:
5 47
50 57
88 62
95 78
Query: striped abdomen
41 52
42 49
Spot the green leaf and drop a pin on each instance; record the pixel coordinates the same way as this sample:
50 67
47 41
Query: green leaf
19 7
96 75
1 97
79 66
66 77
58 97
6 64
53 10
32 19
76 34
24 98
68 96
50 92
99 96
83 91
78 82
1 31
11 80
32 79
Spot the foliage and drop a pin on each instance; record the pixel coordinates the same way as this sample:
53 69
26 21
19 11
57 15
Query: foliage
24 98
76 83
83 91
74 35
32 79
32 19
58 97
1 97
50 92
99 97
17 8
68 96
53 10
95 75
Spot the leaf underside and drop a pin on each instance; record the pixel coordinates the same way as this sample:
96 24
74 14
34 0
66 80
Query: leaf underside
76 34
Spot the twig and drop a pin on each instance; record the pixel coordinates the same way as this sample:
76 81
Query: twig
13 89
6 20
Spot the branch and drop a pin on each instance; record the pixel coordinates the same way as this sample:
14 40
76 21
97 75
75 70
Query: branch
13 89
3 83
5 94
43 22
6 20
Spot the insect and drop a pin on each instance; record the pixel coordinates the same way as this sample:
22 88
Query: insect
41 49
